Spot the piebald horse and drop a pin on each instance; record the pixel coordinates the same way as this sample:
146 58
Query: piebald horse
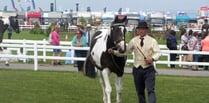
4 24
98 56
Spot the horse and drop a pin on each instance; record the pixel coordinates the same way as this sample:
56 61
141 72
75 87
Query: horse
106 63
4 24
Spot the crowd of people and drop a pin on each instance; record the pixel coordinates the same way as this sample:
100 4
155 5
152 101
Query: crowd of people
190 41
81 38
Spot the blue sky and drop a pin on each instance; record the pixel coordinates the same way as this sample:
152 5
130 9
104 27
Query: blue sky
114 5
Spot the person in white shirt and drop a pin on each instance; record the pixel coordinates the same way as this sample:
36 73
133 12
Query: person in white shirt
88 34
7 52
21 52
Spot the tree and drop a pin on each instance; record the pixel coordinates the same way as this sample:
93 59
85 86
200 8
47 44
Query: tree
82 20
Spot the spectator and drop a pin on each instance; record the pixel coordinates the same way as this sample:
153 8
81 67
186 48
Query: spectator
6 52
193 46
21 52
190 34
205 27
81 29
88 34
172 45
201 57
68 54
56 42
184 43
79 40
205 48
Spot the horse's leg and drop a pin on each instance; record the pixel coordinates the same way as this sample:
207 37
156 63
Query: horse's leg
103 86
108 89
118 85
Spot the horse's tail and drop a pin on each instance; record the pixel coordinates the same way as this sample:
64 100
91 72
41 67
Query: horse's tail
89 68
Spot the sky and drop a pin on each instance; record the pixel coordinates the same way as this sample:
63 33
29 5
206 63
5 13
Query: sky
113 5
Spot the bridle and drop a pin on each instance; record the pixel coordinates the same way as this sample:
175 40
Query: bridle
116 42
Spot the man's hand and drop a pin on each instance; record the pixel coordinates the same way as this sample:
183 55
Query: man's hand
149 60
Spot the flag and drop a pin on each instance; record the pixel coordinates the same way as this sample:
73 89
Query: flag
22 9
13 3
88 9
120 11
105 9
28 8
40 9
5 8
34 6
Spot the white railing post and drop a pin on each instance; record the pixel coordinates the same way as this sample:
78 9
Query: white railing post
44 49
169 59
73 54
35 57
180 59
24 50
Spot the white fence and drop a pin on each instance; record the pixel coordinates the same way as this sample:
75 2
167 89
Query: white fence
43 46
32 26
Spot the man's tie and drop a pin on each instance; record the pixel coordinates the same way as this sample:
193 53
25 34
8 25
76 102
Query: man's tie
142 42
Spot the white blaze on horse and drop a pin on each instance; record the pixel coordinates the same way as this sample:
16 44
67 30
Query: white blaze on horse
98 56
4 24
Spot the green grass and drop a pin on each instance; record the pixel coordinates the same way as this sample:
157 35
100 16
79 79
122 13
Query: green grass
24 86
26 35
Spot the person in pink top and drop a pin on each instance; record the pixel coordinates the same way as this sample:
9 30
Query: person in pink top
55 36
205 47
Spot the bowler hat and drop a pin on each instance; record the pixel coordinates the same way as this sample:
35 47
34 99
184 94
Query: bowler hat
142 24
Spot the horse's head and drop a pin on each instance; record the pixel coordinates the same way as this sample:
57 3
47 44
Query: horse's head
118 37
118 31
14 23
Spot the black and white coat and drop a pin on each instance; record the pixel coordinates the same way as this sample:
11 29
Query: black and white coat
99 57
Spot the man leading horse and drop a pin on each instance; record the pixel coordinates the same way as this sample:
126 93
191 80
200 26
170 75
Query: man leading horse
146 51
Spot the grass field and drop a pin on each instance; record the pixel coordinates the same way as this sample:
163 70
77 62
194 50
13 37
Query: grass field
26 35
24 86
